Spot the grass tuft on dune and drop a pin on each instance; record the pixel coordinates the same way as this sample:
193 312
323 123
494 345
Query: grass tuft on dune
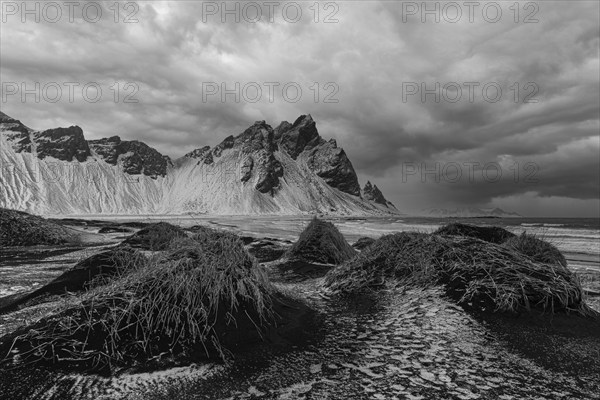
475 272
183 302
18 228
486 276
321 242
395 256
363 243
156 237
537 249
492 234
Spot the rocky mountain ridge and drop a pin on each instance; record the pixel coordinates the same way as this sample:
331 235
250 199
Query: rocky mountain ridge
288 169
136 157
260 142
372 193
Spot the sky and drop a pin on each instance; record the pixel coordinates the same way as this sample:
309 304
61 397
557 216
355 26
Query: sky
443 104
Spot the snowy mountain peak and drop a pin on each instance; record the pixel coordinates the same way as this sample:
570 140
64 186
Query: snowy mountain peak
64 144
133 156
300 136
262 145
16 133
286 170
69 144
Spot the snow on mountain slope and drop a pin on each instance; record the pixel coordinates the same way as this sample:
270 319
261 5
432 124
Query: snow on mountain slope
52 186
217 189
58 172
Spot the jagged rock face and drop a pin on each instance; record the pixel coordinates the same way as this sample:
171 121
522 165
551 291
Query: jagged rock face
69 144
207 155
140 158
203 154
246 169
372 193
331 163
5 118
224 145
135 157
284 126
64 144
324 158
17 133
300 136
208 159
106 148
257 142
257 147
269 171
198 153
257 137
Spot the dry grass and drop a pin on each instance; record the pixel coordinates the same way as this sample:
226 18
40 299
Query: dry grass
396 256
493 276
321 242
156 236
492 234
537 249
178 303
363 243
475 272
19 228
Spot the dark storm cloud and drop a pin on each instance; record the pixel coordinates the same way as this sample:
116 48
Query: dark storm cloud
176 49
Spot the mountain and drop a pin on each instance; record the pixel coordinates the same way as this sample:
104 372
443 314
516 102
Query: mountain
468 212
372 193
289 170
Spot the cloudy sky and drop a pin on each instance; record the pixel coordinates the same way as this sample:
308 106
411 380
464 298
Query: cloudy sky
490 105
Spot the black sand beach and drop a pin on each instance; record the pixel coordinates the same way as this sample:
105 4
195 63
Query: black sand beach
398 342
